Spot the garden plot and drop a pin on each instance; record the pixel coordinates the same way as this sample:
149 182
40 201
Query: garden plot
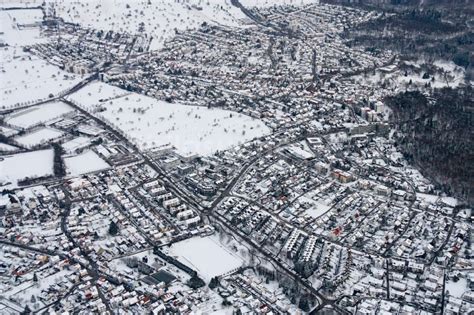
84 163
152 123
206 255
38 136
26 79
16 167
36 115
161 18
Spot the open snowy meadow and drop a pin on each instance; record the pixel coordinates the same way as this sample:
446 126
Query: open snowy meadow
159 18
152 123
16 167
86 162
39 136
21 71
18 27
206 255
270 3
35 115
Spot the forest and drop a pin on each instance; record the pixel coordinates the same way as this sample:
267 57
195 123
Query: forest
436 134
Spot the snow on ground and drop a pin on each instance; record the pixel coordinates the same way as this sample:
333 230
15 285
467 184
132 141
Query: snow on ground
447 74
14 33
427 197
30 164
76 143
35 115
452 80
8 132
317 208
19 3
20 72
7 148
39 136
96 93
300 150
25 290
450 201
161 17
24 17
84 163
457 289
152 123
206 255
270 3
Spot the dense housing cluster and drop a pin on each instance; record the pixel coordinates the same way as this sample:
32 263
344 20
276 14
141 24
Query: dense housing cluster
249 167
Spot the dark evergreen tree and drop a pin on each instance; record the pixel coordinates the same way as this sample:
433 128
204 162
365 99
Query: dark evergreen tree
113 228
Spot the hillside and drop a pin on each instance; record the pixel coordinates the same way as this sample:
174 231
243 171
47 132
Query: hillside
436 134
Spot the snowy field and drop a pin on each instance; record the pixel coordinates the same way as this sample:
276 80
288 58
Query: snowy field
447 74
457 289
206 255
7 148
35 115
8 132
23 17
270 3
152 123
451 201
84 163
76 143
161 17
30 164
38 136
19 3
20 72
12 31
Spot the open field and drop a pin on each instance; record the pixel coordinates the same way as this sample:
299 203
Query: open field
161 18
39 136
152 123
206 255
7 148
35 115
270 3
17 27
76 143
23 72
30 164
84 163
